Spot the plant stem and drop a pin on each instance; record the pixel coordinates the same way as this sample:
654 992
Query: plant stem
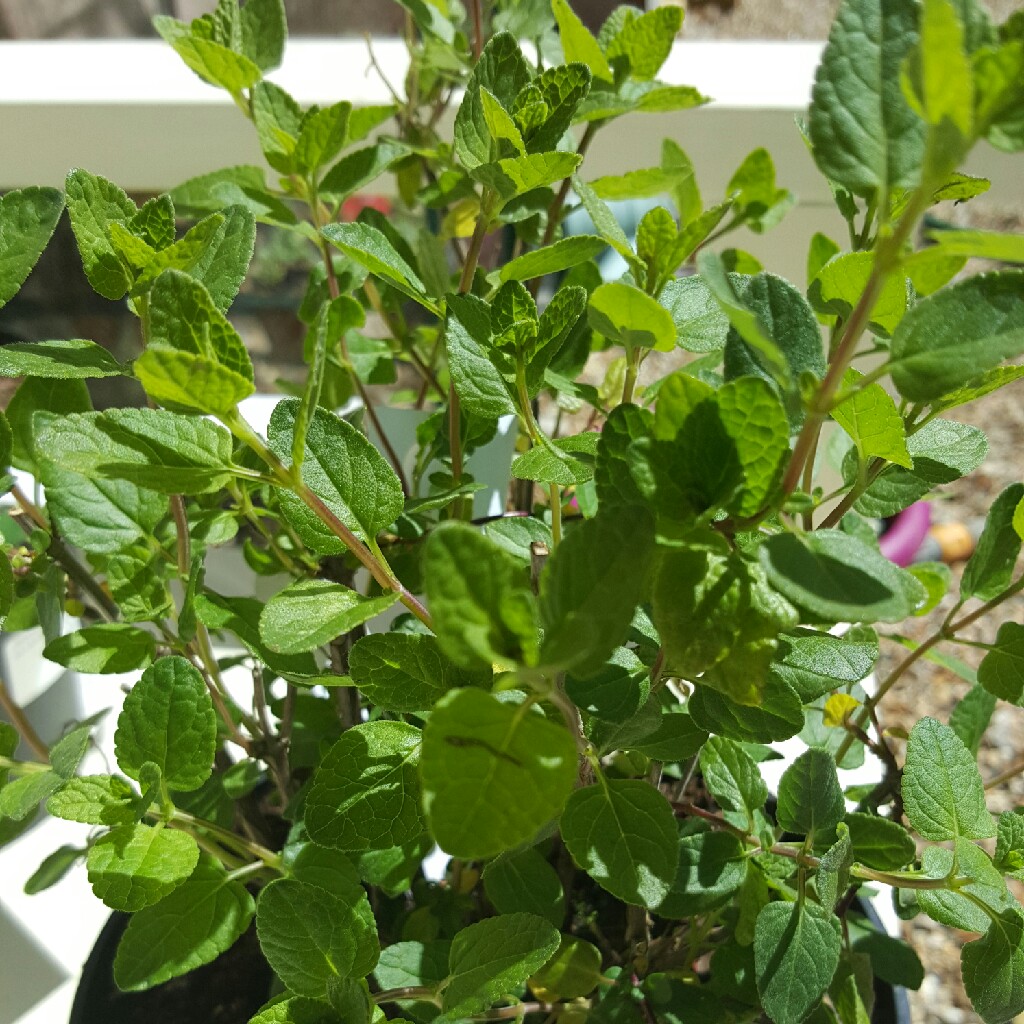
632 370
555 209
478 28
57 550
371 414
1004 776
284 478
887 256
25 729
394 995
947 631
228 838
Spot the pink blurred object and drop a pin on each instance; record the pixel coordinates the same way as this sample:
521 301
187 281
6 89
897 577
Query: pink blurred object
906 533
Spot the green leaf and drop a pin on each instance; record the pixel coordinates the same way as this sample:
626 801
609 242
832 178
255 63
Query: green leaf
628 317
712 866
810 798
989 570
494 774
675 739
197 922
517 175
834 870
334 872
605 224
871 419
479 598
241 616
755 421
971 904
524 882
577 42
93 205
296 1010
168 718
781 314
754 194
560 255
101 516
490 961
264 31
195 360
623 834
701 326
59 360
573 972
136 582
590 588
863 132
777 718
501 70
1001 671
942 788
357 169
211 61
104 648
989 245
344 469
366 792
993 969
946 86
94 800
406 964
53 869
321 136
500 122
817 663
718 617
406 672
372 249
615 692
646 41
483 392
1009 856
838 577
305 935
135 866
942 451
891 959
309 613
20 798
151 448
732 777
559 90
28 218
880 843
971 716
222 266
796 952
957 334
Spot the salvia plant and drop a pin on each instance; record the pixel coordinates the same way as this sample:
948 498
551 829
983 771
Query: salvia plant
574 698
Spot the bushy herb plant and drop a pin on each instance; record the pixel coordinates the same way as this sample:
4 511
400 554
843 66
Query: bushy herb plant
575 699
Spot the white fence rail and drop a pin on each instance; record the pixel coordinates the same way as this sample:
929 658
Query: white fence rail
132 111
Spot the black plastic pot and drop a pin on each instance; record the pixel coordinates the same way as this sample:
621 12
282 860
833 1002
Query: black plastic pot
228 991
892 1005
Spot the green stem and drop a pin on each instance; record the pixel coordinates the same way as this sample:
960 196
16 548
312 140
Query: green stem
228 838
418 992
887 257
632 370
947 631
284 478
